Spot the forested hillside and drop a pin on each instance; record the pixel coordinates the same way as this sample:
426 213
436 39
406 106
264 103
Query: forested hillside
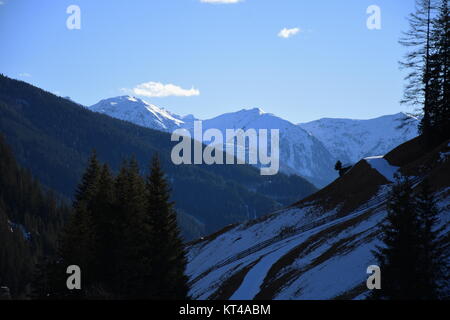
30 220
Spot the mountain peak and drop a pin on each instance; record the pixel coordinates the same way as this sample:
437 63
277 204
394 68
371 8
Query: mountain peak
138 111
125 98
132 99
253 111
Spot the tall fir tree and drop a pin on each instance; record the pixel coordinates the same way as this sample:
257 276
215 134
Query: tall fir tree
432 259
135 263
78 241
168 249
103 220
397 257
412 259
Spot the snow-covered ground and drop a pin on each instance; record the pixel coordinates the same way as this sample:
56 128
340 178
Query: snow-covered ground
321 261
380 164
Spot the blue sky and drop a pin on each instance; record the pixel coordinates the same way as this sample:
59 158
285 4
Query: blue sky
230 53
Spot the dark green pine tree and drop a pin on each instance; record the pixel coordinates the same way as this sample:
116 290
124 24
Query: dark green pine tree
134 235
169 261
413 261
432 260
78 241
104 245
398 256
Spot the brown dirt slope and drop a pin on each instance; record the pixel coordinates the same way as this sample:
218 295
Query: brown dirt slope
356 187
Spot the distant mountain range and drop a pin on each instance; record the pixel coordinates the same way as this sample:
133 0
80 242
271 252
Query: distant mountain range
307 149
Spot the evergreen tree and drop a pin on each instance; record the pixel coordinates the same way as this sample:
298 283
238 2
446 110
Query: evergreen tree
428 62
418 38
412 259
397 258
78 242
169 258
440 39
103 223
135 262
432 259
87 189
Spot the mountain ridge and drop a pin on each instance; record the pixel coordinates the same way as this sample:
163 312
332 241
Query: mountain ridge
308 149
350 140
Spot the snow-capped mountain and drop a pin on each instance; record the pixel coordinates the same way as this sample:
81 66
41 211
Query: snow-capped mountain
140 112
308 149
300 152
350 140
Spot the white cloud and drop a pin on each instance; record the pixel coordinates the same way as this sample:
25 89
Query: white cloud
221 1
286 33
160 90
25 75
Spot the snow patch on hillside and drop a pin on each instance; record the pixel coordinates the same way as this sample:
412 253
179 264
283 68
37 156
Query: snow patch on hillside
332 262
382 166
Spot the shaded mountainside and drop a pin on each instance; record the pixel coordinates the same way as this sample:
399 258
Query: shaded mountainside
320 247
53 137
30 220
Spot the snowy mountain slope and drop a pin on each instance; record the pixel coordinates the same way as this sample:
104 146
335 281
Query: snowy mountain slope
350 140
319 248
300 152
140 112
